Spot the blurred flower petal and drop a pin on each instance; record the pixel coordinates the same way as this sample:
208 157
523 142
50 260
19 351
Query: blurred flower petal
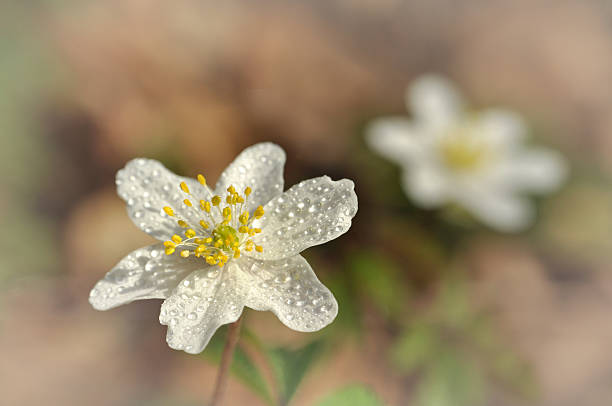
434 101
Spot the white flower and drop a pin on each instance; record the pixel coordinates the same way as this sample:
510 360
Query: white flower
477 160
220 251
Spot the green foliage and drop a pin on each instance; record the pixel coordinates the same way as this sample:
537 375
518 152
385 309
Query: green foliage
353 395
378 278
453 351
242 367
290 367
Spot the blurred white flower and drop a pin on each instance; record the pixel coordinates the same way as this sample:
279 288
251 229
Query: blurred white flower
477 160
223 250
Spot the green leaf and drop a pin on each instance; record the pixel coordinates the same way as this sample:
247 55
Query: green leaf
242 367
290 366
353 395
379 279
415 347
451 380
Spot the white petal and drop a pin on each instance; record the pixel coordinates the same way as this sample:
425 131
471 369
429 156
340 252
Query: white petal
259 167
146 273
310 213
536 170
395 138
200 304
147 186
500 210
434 101
426 185
502 128
289 288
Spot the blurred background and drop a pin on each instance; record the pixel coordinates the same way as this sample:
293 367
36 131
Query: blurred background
433 312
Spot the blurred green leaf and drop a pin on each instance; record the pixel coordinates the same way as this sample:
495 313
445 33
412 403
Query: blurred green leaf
415 346
379 279
290 366
354 395
242 367
451 380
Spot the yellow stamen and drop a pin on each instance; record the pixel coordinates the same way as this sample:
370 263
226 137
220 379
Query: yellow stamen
183 223
184 187
170 250
204 224
202 179
247 191
169 211
177 239
188 202
259 212
185 253
258 248
216 200
190 233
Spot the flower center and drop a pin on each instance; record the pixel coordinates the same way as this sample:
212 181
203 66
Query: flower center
229 222
463 150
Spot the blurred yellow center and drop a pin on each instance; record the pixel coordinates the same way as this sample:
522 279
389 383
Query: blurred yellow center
228 236
462 153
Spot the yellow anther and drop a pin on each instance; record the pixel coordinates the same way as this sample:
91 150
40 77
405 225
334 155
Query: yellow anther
199 240
206 207
259 212
184 187
208 240
183 223
168 244
184 253
188 202
169 211
190 233
216 200
201 249
247 191
228 199
258 248
210 260
231 189
204 224
227 212
243 229
202 179
244 217
237 253
257 230
170 250
177 239
239 199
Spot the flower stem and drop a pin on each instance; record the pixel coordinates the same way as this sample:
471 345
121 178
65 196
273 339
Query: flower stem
233 334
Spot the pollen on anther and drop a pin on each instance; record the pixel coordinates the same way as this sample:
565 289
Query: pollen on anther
188 202
247 191
216 200
177 239
204 224
169 211
258 248
184 253
170 250
190 233
183 223
184 187
202 179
